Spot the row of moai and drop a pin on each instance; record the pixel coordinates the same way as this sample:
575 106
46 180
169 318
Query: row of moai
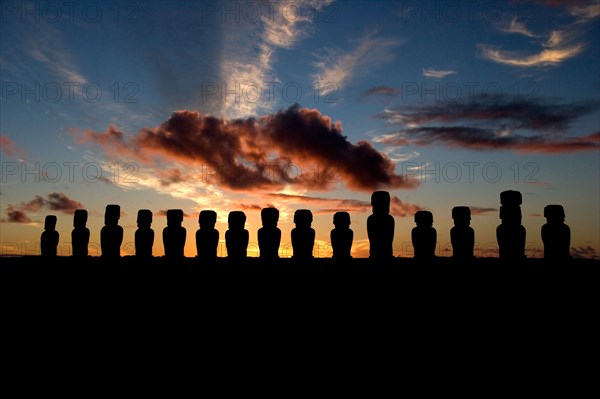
510 233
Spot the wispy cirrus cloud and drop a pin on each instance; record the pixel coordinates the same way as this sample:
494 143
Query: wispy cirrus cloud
247 63
585 12
338 68
437 73
9 147
557 46
515 26
380 91
251 154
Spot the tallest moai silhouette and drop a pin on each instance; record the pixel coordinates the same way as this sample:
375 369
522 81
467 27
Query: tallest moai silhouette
510 234
380 227
111 235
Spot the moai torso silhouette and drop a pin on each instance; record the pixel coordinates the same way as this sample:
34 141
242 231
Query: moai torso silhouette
49 237
510 234
236 238
80 236
462 235
111 235
174 234
269 236
380 227
556 235
207 237
341 236
303 235
144 235
424 236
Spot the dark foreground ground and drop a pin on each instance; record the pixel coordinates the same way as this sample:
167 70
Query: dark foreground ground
252 275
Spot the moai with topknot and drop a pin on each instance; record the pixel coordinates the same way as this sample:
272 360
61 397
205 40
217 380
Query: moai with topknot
269 236
380 227
111 235
462 235
144 235
556 235
424 235
80 236
341 236
303 235
207 237
49 237
174 234
510 234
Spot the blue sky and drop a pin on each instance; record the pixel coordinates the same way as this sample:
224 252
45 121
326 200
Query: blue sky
486 96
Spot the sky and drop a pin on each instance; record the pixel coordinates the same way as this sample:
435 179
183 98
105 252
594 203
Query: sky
308 104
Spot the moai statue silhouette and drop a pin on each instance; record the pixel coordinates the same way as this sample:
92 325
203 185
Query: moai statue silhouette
49 237
111 235
174 234
510 234
269 236
556 235
462 235
236 238
380 227
424 236
341 236
144 235
80 236
207 237
303 235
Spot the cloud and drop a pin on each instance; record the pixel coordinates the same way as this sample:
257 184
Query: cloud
163 213
15 216
338 69
437 74
489 125
479 139
247 58
477 210
550 56
517 27
9 147
295 146
586 252
17 213
380 91
559 45
585 12
397 207
533 114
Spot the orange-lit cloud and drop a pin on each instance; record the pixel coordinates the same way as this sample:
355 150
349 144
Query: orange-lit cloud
263 153
9 147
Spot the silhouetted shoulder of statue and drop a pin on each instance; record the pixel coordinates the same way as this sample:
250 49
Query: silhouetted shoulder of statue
303 235
144 235
341 236
380 227
424 236
556 235
269 235
236 238
49 237
207 237
174 234
510 234
80 236
111 235
462 235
